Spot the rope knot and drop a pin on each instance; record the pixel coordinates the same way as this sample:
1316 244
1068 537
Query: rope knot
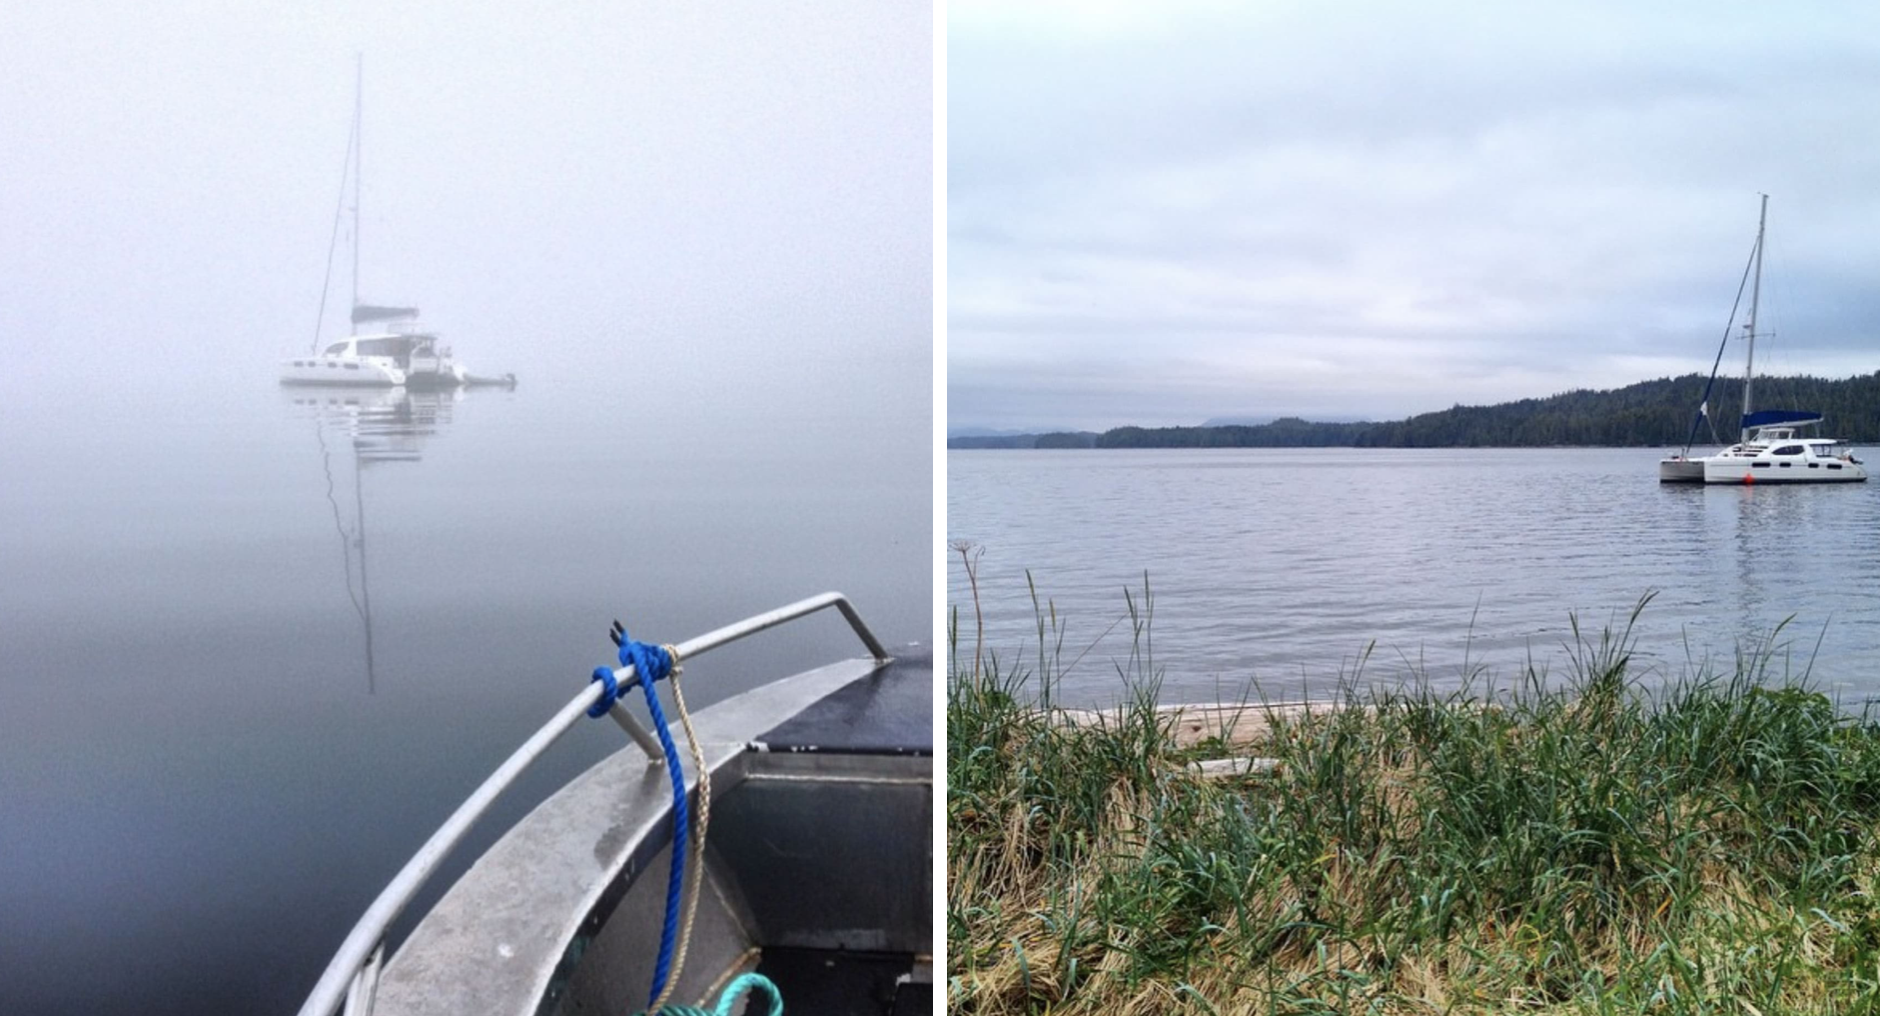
650 663
610 692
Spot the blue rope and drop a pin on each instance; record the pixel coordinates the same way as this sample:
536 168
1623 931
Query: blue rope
610 692
650 663
681 823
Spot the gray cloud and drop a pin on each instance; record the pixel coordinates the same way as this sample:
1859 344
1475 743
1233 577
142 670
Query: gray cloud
1157 215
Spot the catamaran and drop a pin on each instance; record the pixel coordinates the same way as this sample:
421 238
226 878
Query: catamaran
399 352
1771 447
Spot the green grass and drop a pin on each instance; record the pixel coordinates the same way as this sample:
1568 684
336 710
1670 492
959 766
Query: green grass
1588 842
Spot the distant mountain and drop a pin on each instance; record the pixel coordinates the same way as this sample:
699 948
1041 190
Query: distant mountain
1236 421
980 442
1055 439
1286 432
1261 421
953 432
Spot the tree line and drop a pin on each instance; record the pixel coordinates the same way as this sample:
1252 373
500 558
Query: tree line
1650 413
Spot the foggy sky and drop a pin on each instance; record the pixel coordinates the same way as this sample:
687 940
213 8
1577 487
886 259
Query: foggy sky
1159 213
726 200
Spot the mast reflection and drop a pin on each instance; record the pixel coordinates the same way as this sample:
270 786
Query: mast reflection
373 427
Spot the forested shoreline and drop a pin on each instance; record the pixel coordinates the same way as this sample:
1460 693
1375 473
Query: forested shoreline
1647 414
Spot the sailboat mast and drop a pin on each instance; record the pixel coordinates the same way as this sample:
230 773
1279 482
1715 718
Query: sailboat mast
1749 366
359 87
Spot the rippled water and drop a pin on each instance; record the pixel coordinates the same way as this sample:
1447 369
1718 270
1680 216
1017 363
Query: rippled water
1280 566
257 643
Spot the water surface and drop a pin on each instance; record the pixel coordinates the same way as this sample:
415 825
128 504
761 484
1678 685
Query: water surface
1282 567
259 642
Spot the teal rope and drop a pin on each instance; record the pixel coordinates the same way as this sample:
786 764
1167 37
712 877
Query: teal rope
728 999
749 982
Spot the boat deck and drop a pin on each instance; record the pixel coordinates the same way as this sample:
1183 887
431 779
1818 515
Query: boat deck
889 712
818 875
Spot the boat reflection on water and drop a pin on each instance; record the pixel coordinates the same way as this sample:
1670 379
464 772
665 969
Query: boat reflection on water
373 427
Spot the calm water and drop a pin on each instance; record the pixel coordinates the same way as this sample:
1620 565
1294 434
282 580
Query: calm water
1279 566
256 644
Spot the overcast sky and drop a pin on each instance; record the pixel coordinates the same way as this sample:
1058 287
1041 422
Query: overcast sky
1160 213
732 198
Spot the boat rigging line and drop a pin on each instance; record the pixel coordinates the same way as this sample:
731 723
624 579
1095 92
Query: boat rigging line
332 244
1703 405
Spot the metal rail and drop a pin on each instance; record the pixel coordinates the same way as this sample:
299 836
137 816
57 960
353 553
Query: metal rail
352 975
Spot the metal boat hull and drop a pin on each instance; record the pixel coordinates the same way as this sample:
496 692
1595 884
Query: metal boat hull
818 868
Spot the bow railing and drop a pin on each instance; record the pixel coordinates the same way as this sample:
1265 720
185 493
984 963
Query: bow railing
352 975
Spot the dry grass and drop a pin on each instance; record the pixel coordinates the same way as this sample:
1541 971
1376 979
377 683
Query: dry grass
1568 847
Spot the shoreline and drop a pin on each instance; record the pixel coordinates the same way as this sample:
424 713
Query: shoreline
1576 847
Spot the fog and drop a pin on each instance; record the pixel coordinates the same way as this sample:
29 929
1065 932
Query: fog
700 235
730 198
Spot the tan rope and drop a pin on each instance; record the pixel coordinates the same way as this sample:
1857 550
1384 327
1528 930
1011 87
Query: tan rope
701 817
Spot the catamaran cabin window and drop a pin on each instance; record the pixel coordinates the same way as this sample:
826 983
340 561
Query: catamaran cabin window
380 347
336 349
1793 449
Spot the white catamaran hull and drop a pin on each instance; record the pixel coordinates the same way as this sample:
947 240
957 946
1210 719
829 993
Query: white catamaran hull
383 360
1775 455
356 371
1722 469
